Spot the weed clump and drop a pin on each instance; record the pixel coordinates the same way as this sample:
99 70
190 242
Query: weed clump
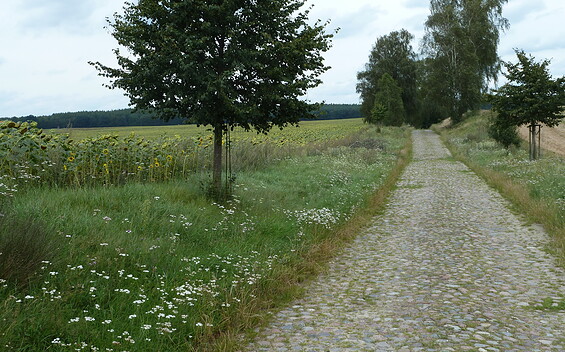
23 246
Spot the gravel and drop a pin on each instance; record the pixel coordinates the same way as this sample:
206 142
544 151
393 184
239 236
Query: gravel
447 267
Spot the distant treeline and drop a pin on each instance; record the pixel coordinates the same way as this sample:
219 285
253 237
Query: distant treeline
126 117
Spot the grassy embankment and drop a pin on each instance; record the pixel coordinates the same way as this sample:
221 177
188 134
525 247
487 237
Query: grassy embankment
155 266
536 188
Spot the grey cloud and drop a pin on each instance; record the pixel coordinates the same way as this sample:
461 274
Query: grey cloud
67 14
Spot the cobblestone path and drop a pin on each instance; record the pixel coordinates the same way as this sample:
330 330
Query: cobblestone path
447 267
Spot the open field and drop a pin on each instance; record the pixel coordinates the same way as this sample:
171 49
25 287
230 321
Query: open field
307 129
101 156
151 264
537 188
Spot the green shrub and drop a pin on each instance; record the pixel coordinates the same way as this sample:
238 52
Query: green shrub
503 133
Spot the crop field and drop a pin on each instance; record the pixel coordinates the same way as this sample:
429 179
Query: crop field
304 132
115 155
110 243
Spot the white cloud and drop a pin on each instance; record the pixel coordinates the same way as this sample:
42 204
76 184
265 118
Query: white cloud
44 68
537 28
362 23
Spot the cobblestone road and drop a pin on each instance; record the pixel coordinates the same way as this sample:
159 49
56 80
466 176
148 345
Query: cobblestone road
447 267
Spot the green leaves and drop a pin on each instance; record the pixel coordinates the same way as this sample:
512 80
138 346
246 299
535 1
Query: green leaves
221 63
236 62
389 108
531 96
393 55
461 42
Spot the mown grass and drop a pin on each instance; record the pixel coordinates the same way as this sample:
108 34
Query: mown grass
537 188
159 267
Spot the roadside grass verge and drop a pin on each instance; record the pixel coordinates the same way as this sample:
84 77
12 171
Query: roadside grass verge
536 188
158 267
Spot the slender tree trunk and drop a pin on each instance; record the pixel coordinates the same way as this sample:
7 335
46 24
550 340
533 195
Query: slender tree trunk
533 149
534 145
217 163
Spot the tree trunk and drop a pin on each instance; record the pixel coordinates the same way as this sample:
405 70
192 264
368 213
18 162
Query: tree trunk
217 163
534 146
535 131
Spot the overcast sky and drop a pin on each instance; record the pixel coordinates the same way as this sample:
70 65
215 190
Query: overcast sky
45 46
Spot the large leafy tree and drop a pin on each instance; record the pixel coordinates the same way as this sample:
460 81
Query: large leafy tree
219 63
461 43
392 54
531 96
389 108
431 92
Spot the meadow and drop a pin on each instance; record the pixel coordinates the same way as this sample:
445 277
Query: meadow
110 244
537 188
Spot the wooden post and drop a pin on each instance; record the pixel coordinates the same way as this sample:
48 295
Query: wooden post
535 141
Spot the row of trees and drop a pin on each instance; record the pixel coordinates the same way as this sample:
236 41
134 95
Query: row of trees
129 117
458 60
87 119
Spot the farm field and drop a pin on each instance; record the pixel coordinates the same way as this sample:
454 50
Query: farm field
124 251
306 132
537 188
114 156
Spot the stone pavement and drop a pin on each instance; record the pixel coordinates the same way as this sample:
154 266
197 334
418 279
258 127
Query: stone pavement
447 267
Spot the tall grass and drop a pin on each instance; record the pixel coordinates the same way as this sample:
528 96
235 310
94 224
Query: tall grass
158 267
537 188
24 246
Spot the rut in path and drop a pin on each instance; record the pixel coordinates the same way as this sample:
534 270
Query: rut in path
447 267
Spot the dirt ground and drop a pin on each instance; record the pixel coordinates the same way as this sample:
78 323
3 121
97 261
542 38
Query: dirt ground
552 139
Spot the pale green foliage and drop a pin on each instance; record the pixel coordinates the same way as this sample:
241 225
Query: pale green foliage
461 45
378 113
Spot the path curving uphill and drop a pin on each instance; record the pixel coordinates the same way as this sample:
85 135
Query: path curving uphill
447 267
